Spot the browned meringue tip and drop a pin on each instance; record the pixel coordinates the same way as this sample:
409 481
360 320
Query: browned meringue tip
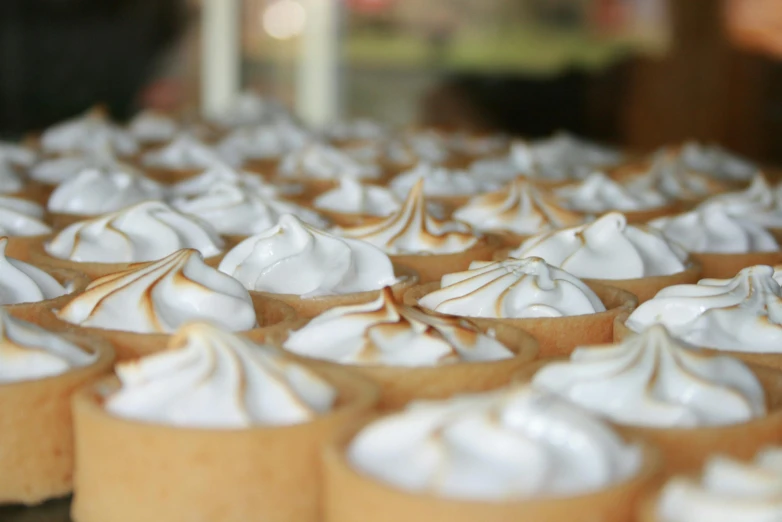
556 336
401 384
769 360
432 267
37 429
726 266
312 306
271 314
685 450
350 495
164 473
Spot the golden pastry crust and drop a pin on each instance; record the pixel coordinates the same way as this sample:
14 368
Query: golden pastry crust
556 336
129 471
36 429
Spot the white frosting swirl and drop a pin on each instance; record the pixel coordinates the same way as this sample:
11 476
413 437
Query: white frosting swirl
608 248
144 232
728 491
160 297
295 258
19 217
28 352
411 230
440 181
513 288
210 378
651 380
56 170
354 198
17 154
517 443
716 162
709 228
267 141
321 161
235 209
184 152
21 282
81 134
518 207
383 332
150 126
740 314
598 193
97 191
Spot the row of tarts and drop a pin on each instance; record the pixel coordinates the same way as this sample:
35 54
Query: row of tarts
307 372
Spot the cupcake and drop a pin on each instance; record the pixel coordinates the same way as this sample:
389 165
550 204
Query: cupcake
138 309
312 270
412 237
109 243
239 211
450 188
516 454
39 372
153 128
319 167
636 258
260 147
410 354
182 158
95 191
229 431
740 316
517 211
722 243
21 222
352 203
688 403
726 490
557 308
598 194
80 134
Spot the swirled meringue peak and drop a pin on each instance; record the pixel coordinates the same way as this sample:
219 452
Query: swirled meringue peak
144 232
441 181
411 230
235 209
667 175
742 314
516 443
21 282
608 248
598 193
81 133
650 379
150 126
218 174
184 152
321 161
265 141
385 332
354 198
513 288
96 191
561 157
161 296
716 161
519 207
728 490
17 154
295 258
710 228
210 378
10 179
756 203
28 352
20 217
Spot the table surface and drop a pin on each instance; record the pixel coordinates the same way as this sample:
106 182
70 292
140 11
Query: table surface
52 511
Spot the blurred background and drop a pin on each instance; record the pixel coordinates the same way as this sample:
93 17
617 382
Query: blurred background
639 73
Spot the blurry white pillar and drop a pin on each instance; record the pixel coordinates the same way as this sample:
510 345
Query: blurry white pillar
220 55
317 78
